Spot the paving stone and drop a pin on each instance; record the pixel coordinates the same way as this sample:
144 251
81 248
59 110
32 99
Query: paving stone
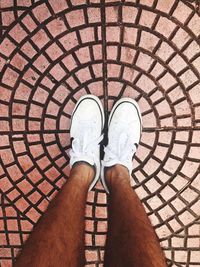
53 53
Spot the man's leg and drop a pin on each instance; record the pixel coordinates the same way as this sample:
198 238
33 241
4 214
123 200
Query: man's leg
58 238
131 240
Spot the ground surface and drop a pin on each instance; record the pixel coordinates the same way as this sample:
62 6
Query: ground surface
51 53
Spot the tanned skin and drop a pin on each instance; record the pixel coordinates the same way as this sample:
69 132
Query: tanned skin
58 237
131 240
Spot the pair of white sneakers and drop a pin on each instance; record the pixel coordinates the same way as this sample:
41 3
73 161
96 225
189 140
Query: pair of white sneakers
124 131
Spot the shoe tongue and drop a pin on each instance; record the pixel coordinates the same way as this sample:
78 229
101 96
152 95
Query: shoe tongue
123 140
86 128
126 147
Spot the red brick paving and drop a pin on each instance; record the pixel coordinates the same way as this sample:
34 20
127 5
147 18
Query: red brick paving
53 52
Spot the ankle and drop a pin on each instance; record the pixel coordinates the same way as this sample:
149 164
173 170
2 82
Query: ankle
83 172
117 174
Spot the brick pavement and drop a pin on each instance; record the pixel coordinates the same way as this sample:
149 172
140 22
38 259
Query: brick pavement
53 52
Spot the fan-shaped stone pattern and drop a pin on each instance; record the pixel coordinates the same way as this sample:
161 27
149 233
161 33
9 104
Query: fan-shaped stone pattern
11 10
54 52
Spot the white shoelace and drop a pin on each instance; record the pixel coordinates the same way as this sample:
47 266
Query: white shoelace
124 153
81 148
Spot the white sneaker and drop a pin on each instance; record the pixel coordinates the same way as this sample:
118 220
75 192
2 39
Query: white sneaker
124 132
87 123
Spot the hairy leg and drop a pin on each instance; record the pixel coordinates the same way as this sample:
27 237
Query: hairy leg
131 240
58 238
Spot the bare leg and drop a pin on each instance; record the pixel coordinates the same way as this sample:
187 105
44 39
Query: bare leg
131 240
58 238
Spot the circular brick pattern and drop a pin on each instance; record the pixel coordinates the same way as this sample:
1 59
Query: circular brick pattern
56 52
